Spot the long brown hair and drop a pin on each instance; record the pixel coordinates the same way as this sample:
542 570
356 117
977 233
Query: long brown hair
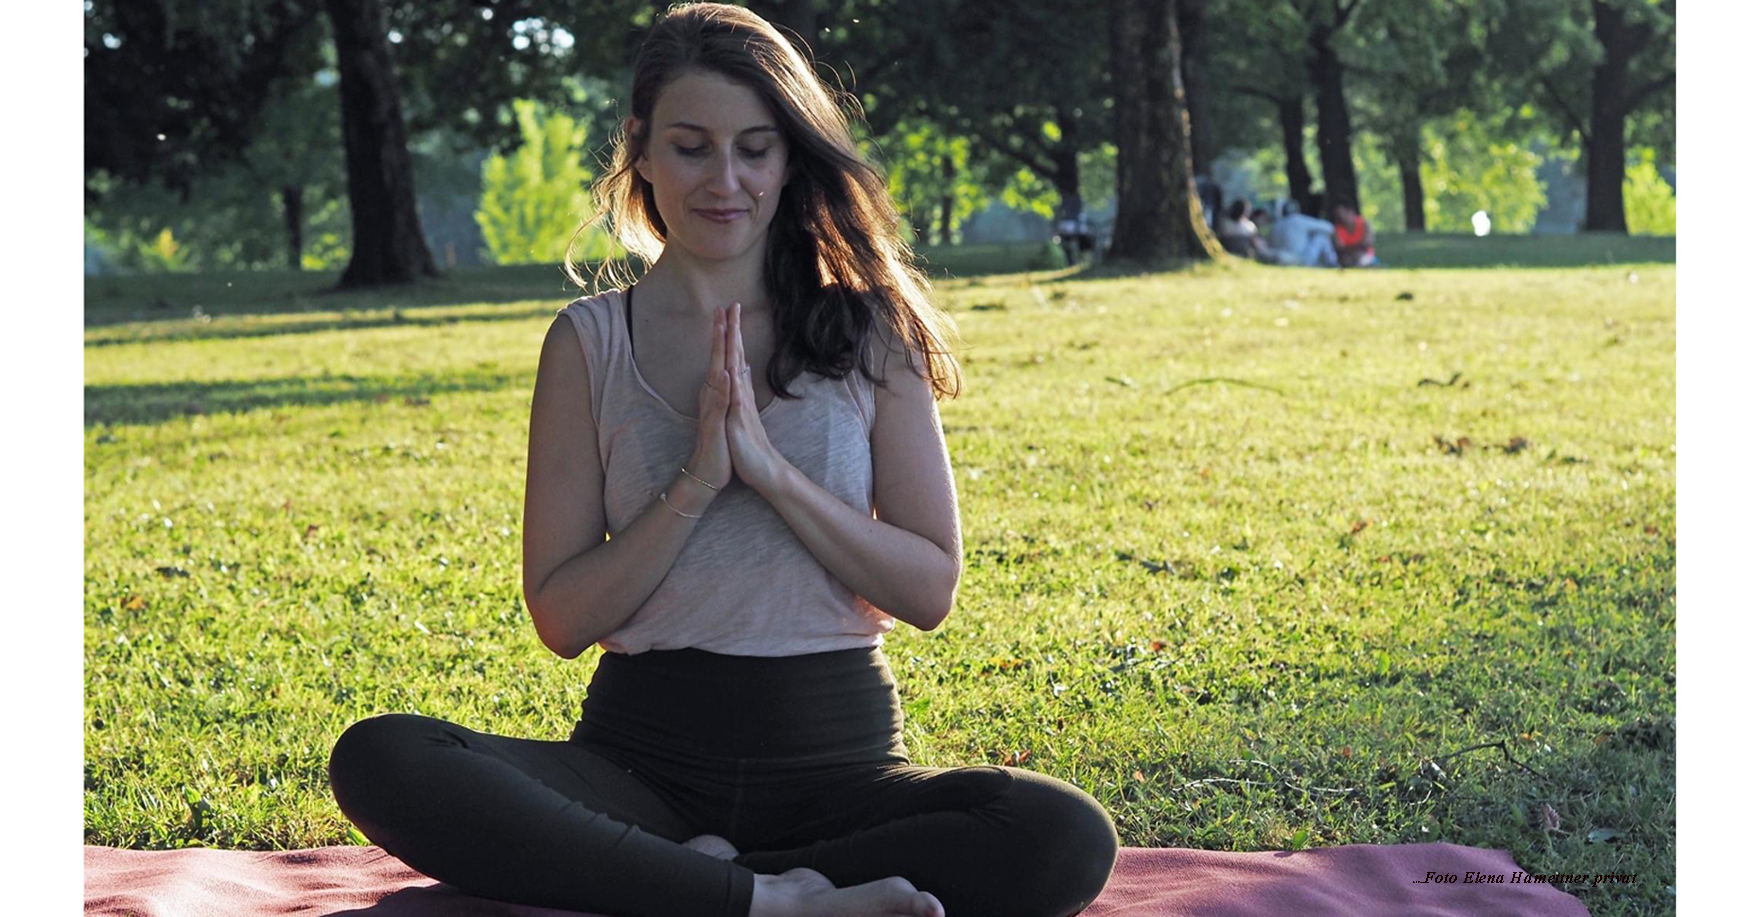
834 260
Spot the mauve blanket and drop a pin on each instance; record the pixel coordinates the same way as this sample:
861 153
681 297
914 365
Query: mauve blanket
1384 881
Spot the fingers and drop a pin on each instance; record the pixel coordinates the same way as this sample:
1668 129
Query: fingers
731 336
717 351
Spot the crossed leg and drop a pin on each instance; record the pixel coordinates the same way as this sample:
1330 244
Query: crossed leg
557 824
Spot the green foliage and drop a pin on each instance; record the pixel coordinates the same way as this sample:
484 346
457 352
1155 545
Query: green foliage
1467 168
914 154
532 200
1024 191
1649 201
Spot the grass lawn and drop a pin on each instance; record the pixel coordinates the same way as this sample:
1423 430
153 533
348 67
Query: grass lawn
1258 557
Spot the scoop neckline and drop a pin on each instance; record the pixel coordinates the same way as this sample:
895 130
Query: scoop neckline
636 371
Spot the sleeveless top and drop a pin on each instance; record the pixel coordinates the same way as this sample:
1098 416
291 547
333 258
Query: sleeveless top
744 584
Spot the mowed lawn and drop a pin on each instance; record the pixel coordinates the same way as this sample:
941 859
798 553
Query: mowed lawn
1260 558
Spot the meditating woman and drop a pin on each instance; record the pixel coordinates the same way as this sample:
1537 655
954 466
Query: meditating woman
753 422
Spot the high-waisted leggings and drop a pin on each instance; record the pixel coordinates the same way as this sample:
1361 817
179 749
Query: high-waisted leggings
798 761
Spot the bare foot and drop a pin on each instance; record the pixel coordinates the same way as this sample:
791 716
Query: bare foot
717 847
806 893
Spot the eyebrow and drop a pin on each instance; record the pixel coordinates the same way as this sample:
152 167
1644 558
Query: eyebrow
700 128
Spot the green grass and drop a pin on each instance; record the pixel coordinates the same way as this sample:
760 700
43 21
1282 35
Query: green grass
1238 565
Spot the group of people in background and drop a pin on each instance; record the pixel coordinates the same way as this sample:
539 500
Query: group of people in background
1298 236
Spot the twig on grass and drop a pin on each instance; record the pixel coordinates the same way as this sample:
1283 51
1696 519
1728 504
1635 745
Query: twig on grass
1209 379
1301 788
1500 747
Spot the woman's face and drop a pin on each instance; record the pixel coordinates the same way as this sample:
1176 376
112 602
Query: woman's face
717 164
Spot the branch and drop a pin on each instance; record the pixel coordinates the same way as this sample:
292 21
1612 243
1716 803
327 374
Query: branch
1341 15
1256 92
1646 90
1036 165
1570 113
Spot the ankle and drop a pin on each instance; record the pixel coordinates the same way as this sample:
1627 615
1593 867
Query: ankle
774 897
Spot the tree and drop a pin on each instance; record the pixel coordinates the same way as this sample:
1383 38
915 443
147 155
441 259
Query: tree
533 198
201 84
1259 49
1595 65
387 240
1420 60
1158 215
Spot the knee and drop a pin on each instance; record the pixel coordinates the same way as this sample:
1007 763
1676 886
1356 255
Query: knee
369 751
1071 845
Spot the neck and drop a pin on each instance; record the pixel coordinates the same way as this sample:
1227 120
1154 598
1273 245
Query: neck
679 282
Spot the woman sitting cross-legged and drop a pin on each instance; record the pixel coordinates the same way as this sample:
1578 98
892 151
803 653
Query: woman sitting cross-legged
753 422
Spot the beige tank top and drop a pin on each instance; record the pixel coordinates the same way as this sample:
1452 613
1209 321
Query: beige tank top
744 584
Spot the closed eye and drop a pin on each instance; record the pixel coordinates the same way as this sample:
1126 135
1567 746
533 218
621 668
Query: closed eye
696 151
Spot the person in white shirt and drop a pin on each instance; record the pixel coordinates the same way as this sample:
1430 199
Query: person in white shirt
1302 240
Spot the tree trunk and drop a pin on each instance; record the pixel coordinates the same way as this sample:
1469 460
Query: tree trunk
1158 213
387 241
1333 124
1197 86
1605 149
1297 174
1412 187
948 171
291 196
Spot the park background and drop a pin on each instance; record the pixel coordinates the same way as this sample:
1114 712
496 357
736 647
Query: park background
1268 667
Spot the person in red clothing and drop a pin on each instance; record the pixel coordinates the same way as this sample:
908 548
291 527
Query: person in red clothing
1354 240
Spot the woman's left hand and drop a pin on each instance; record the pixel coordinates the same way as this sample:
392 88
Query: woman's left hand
755 461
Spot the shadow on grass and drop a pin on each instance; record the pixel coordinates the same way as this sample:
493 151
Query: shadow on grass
160 402
152 298
1589 249
186 330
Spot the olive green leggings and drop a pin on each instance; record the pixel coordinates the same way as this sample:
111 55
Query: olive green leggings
795 760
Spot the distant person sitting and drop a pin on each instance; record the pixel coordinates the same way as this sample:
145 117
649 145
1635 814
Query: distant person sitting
1354 240
1235 231
1301 240
1263 250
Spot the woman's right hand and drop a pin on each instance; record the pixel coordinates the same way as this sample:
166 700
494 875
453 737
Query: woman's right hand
709 458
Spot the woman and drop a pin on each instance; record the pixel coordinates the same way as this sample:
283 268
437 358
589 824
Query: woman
740 749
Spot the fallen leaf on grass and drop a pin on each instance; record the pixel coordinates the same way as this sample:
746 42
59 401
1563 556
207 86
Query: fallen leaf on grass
1515 445
416 401
133 603
1602 835
1014 759
1360 526
1549 820
173 571
311 530
1457 447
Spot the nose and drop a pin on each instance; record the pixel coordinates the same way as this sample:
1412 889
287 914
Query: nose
723 178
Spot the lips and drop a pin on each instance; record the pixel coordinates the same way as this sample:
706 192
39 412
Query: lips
720 216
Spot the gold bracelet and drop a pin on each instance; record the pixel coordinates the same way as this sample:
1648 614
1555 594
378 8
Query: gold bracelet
676 509
698 479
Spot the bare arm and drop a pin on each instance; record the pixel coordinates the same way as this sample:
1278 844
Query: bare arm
907 561
578 585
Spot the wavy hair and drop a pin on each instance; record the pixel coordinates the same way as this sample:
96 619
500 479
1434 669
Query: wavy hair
835 262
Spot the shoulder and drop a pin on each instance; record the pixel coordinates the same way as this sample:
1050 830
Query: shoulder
593 310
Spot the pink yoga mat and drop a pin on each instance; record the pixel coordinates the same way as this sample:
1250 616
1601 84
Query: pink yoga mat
1375 881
